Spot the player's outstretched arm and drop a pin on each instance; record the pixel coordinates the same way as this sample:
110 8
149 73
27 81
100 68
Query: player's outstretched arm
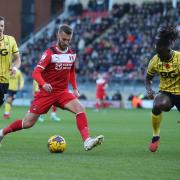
37 76
148 85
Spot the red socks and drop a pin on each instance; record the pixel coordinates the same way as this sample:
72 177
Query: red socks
82 125
15 126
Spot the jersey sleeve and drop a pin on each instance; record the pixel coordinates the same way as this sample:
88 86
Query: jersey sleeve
14 46
151 67
45 59
73 77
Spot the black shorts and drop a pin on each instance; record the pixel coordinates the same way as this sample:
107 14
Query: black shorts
11 93
175 99
3 91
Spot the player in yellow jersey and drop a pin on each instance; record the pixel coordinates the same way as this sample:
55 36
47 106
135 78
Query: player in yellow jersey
166 63
16 82
54 116
9 59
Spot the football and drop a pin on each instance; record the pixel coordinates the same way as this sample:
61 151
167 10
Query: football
56 144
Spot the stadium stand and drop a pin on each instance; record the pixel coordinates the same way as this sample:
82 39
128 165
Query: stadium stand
118 43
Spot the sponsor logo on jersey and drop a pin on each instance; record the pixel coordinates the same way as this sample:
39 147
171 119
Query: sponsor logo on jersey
63 58
3 52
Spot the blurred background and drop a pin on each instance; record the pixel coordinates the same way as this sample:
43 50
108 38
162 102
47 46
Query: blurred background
114 38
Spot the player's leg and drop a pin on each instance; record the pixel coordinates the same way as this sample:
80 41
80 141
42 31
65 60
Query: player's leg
82 124
54 116
39 105
81 120
97 104
29 120
3 90
104 104
161 103
7 107
1 99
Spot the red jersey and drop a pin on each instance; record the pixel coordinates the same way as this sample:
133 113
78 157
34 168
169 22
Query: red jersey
58 67
100 85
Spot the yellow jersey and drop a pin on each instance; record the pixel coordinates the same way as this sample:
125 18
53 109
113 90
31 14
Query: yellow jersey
35 86
16 81
169 72
8 48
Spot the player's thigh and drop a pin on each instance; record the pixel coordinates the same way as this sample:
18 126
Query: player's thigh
42 103
162 101
67 100
30 119
74 106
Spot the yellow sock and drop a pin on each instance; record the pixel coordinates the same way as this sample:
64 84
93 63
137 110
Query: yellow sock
7 108
156 121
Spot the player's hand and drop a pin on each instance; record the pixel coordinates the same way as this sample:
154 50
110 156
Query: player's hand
13 70
150 94
76 93
47 87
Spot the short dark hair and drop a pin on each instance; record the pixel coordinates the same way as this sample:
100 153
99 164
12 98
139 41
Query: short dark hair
166 35
65 28
2 18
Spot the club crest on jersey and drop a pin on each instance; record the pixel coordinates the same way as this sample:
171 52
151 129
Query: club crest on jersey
167 66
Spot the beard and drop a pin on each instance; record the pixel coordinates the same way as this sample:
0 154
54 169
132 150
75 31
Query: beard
62 46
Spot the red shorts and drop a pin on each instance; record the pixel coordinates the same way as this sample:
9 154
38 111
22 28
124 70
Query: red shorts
100 95
42 102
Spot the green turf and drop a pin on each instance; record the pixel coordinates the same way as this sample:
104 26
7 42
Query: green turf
124 154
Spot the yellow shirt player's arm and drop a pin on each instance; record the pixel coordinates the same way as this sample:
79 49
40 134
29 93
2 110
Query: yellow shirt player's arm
35 87
16 55
149 76
21 80
151 70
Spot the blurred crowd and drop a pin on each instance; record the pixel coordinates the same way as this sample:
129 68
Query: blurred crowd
118 43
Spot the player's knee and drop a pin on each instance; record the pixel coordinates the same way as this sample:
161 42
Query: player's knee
162 106
9 99
80 108
27 124
166 108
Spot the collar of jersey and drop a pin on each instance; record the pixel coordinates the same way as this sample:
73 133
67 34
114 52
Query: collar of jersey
167 61
61 50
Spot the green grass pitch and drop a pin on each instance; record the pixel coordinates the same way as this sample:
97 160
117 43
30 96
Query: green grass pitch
124 155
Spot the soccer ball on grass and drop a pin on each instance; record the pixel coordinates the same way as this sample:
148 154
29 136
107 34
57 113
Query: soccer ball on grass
56 144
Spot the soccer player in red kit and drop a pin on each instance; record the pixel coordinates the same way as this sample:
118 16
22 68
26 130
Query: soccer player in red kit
54 71
101 85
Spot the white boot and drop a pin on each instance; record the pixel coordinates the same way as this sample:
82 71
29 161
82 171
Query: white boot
92 142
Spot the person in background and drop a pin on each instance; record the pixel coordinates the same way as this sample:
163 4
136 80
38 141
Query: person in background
16 83
9 59
136 102
101 85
